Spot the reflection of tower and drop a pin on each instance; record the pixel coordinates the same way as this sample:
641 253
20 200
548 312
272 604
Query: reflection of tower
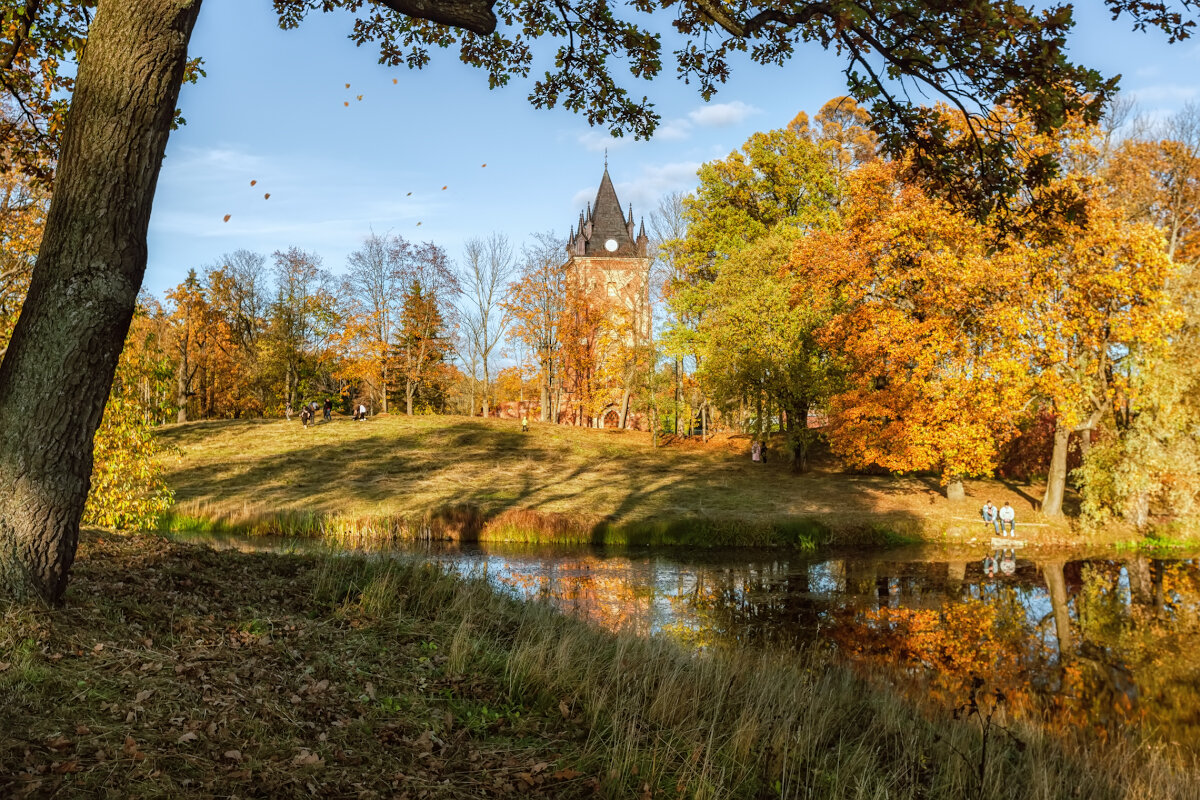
608 264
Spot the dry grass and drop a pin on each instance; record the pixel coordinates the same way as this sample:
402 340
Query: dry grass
178 671
473 478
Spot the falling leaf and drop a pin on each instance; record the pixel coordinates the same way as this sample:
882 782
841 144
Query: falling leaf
484 164
227 216
360 97
408 195
394 80
444 188
267 196
346 104
347 86
418 224
253 182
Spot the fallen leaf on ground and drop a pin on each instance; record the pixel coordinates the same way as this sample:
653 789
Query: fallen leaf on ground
233 755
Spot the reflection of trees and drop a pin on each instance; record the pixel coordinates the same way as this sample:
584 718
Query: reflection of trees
1091 646
1138 630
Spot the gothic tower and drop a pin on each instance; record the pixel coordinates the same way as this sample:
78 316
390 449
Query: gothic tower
608 263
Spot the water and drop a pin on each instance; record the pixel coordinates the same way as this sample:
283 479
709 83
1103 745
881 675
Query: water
1102 644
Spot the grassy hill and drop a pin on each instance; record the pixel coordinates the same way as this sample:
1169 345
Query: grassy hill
477 478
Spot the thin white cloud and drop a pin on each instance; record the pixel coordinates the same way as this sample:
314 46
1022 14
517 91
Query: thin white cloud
718 115
1165 93
596 141
675 130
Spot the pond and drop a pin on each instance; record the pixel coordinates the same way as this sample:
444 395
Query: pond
1100 645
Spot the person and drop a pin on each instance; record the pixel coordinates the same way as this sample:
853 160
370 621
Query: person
756 451
362 411
328 409
989 564
524 423
991 516
1008 520
288 411
305 415
1008 563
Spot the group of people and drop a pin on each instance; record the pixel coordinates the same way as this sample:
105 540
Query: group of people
308 411
1003 520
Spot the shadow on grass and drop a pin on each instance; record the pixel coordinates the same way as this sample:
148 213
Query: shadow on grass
474 480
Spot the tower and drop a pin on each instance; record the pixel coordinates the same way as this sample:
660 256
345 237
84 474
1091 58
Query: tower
607 270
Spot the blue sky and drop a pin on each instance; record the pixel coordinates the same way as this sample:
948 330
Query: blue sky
271 110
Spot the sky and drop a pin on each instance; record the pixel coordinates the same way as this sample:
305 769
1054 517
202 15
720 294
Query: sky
272 109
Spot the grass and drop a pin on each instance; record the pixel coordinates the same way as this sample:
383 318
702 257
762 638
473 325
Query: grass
464 478
175 670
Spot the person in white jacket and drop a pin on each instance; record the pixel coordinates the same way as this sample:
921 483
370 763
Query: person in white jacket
1008 520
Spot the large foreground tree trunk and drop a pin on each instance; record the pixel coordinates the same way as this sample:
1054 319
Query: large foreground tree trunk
56 375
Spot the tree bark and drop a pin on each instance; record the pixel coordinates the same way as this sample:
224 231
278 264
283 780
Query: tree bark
56 375
1056 480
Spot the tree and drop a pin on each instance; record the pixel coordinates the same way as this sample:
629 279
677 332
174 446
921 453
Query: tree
921 325
668 228
123 107
751 343
534 304
489 265
1092 296
191 321
303 321
422 343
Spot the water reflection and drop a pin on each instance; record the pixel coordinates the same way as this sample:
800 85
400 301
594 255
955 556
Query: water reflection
1102 646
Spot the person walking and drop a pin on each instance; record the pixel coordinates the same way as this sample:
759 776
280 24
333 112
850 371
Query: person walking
328 409
991 516
524 423
1008 520
305 415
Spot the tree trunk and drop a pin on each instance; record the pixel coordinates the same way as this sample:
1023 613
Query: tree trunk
544 398
487 382
678 395
1056 481
56 375
410 389
955 489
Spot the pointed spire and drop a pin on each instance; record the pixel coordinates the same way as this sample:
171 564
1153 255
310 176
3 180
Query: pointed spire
589 211
642 229
631 214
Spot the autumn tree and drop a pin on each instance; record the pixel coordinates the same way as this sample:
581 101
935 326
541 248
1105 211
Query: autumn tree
123 93
191 319
534 304
1150 461
1091 297
921 325
239 297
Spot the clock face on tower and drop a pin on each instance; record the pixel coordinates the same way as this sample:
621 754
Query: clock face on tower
611 245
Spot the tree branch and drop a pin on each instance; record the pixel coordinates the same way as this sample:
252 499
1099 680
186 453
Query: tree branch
472 15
